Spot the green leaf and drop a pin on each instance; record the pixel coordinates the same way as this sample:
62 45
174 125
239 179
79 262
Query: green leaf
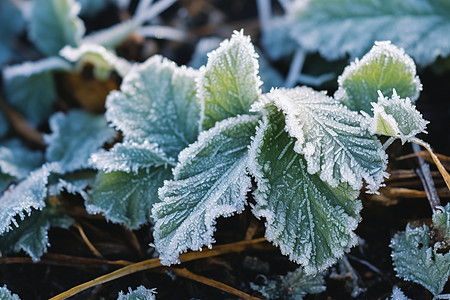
5 294
54 24
416 260
396 117
140 293
75 137
308 219
294 285
18 161
31 235
441 220
337 28
130 157
127 198
157 103
27 195
384 68
330 137
210 181
229 84
31 89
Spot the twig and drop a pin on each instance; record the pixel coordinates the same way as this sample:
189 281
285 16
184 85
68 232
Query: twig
212 283
86 240
155 263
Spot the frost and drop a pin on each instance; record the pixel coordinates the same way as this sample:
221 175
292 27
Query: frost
73 183
75 137
5 294
416 260
157 103
31 235
294 285
130 157
384 68
396 117
397 294
229 83
127 198
140 293
31 89
309 220
338 28
101 58
210 181
54 24
441 220
27 195
18 161
330 137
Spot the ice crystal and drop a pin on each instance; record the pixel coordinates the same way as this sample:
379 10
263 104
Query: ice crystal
210 181
140 293
309 220
6 294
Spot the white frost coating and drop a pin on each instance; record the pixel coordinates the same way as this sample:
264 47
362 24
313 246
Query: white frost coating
396 117
331 138
210 181
307 219
18 161
229 83
97 55
29 68
397 294
130 157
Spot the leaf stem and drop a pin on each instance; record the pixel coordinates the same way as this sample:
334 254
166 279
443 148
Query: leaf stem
155 263
388 142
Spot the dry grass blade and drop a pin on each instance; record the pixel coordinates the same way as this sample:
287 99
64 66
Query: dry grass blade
86 240
445 160
155 263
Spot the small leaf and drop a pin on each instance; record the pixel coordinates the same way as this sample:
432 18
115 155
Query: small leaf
31 89
5 294
441 220
54 24
157 103
31 235
229 84
308 219
130 157
416 260
101 58
18 161
331 138
75 137
384 68
140 293
294 285
210 181
127 198
396 117
27 195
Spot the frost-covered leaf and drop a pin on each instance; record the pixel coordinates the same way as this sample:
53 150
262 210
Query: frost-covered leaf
294 285
157 103
210 181
308 219
140 293
335 28
102 59
277 40
6 294
384 68
396 117
130 157
27 195
55 24
397 294
31 235
127 198
441 220
416 260
229 83
330 137
75 137
18 161
31 89
73 183
12 23
90 8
